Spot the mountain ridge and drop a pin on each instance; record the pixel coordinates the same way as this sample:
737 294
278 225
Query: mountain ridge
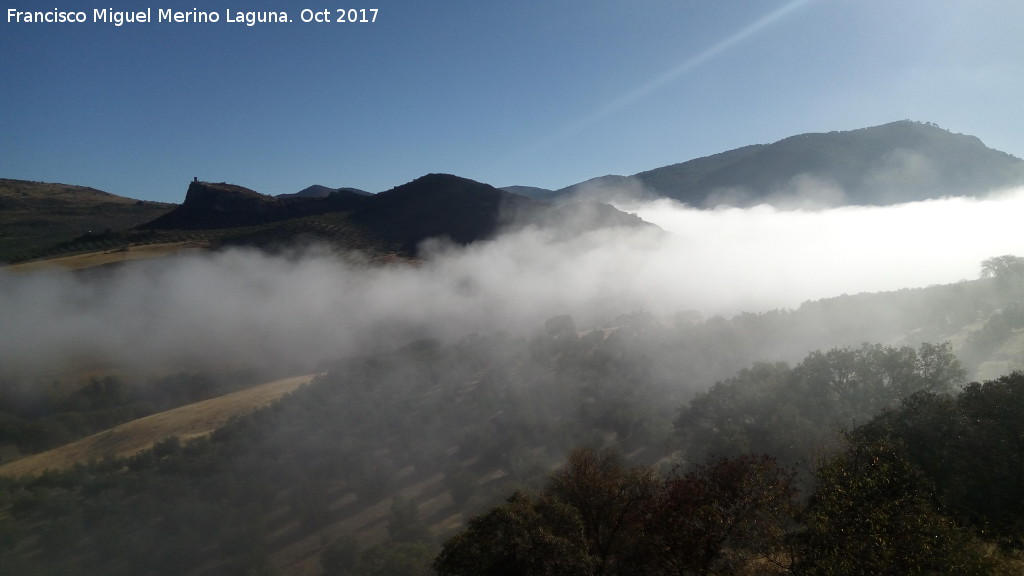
319 191
892 163
394 222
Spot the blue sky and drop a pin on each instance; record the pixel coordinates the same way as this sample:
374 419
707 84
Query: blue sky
534 93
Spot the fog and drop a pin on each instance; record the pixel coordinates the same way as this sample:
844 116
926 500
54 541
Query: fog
301 309
764 257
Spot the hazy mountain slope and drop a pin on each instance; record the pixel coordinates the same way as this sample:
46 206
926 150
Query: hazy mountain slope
531 191
888 164
35 215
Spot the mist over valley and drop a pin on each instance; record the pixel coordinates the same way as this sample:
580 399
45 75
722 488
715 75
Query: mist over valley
464 342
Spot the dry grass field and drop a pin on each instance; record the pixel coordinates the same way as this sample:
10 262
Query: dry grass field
92 259
185 422
1004 359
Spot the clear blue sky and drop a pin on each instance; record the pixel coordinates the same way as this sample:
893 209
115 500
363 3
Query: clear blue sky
541 93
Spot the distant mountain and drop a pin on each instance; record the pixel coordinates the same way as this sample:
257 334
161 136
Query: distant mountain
889 164
214 215
463 210
396 221
443 205
318 191
36 215
531 191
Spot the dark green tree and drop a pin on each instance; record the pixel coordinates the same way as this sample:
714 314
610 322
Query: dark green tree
522 537
729 516
795 413
611 502
991 449
971 447
873 512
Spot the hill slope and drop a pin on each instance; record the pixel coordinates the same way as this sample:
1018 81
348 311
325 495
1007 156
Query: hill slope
36 215
442 205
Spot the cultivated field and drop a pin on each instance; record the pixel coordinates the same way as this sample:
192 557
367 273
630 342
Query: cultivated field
91 259
129 438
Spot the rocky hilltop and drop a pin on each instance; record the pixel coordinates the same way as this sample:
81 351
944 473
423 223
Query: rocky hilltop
220 205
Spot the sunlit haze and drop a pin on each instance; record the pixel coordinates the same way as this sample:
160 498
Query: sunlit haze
769 257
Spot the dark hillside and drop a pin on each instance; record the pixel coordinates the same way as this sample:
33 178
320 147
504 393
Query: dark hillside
442 205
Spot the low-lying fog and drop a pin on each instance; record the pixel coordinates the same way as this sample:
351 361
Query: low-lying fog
299 309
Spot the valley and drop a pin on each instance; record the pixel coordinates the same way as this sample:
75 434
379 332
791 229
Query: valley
337 382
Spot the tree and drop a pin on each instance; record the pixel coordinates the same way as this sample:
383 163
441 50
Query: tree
597 517
1006 265
971 447
991 438
724 517
732 418
873 512
610 501
791 413
1007 270
522 537
854 384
